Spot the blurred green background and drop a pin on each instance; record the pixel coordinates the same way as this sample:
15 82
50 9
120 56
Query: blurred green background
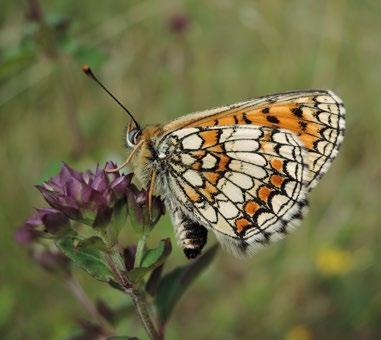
164 59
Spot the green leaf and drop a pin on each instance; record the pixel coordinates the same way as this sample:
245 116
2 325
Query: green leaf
152 284
174 284
152 259
136 274
116 285
93 242
88 258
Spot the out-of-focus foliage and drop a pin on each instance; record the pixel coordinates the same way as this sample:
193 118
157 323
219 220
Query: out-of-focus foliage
164 59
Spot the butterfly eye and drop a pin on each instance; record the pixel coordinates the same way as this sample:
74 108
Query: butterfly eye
133 137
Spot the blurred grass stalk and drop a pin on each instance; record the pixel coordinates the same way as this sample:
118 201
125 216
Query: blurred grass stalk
45 40
80 295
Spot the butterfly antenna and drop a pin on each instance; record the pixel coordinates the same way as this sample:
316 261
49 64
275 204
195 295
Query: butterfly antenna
87 70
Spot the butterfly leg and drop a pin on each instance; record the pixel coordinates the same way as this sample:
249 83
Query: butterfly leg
190 235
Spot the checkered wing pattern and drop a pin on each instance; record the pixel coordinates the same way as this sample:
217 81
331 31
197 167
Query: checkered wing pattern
247 183
316 117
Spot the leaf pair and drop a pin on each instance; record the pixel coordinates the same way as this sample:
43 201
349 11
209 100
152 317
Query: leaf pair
91 258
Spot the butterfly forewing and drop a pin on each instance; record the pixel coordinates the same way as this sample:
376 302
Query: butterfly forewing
316 117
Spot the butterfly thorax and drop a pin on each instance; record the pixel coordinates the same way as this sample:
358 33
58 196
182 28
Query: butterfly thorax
148 156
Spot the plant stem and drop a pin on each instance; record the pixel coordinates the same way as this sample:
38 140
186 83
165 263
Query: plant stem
88 305
141 307
137 296
140 249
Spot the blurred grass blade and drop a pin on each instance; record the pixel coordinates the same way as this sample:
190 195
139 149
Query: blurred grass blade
175 283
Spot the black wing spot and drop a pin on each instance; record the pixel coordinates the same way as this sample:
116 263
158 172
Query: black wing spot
266 110
246 120
297 111
303 125
272 119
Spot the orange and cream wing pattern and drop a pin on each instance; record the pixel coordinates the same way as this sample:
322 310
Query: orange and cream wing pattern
246 183
316 117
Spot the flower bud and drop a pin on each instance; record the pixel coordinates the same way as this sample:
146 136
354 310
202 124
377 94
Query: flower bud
138 207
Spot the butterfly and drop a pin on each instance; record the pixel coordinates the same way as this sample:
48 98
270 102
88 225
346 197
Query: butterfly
242 171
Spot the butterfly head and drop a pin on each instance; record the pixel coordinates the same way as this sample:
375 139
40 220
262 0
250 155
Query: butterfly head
133 135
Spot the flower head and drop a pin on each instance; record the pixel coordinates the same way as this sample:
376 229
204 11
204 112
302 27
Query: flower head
334 261
44 220
87 197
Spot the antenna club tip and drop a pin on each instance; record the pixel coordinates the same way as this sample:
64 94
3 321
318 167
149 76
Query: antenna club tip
86 69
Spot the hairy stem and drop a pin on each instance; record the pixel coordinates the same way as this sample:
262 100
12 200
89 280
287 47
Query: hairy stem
142 308
137 296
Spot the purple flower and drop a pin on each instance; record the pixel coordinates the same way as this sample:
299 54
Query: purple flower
52 220
26 234
44 220
88 197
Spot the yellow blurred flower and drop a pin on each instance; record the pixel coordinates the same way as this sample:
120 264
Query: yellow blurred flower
299 332
334 261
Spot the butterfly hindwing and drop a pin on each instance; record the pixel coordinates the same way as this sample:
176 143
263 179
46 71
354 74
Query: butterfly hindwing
246 183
